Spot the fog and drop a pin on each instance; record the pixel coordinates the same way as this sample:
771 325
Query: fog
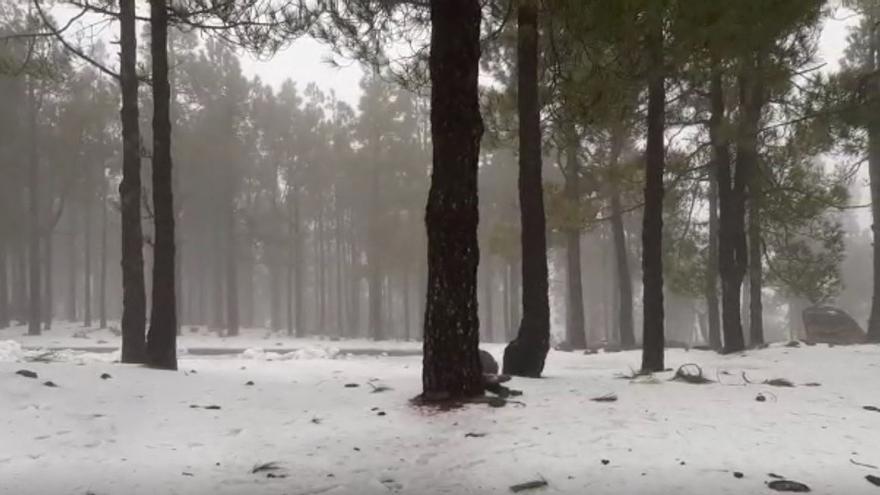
497 216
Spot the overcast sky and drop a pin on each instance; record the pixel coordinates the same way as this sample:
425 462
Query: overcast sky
306 61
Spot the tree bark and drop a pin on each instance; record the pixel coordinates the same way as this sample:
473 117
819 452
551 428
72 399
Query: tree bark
488 330
730 235
134 310
652 222
625 322
48 286
451 365
162 335
102 287
87 245
752 101
525 355
232 316
756 308
299 310
374 279
719 153
4 283
72 269
575 330
339 244
34 281
322 270
874 173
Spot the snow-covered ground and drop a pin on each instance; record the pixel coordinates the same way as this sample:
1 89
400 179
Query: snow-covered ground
73 335
148 431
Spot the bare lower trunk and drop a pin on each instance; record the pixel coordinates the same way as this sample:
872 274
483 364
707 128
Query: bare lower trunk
232 316
625 325
756 308
102 287
652 227
4 284
451 365
133 291
87 248
299 269
713 316
340 293
731 242
525 355
34 280
488 328
162 334
575 330
874 173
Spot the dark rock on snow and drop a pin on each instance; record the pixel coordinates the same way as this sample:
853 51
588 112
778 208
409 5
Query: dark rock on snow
26 373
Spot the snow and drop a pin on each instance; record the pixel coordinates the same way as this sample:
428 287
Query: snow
138 432
74 335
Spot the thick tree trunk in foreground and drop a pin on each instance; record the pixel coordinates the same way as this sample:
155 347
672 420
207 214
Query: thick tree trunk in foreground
4 284
874 172
162 335
652 226
526 354
575 333
730 241
34 281
451 364
134 306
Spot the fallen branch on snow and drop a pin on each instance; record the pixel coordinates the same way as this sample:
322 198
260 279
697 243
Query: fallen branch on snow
690 373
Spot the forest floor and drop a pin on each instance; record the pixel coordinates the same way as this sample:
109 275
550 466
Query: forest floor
332 423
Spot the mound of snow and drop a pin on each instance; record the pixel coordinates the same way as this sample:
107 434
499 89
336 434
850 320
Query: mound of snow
313 353
10 351
260 354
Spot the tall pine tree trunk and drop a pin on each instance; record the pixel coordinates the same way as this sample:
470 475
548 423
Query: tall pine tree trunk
526 354
48 285
162 335
102 285
232 316
322 271
728 251
874 173
575 331
299 269
713 317
4 282
488 330
339 244
134 309
451 365
874 177
87 248
374 277
652 223
73 270
752 101
34 281
756 308
625 325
